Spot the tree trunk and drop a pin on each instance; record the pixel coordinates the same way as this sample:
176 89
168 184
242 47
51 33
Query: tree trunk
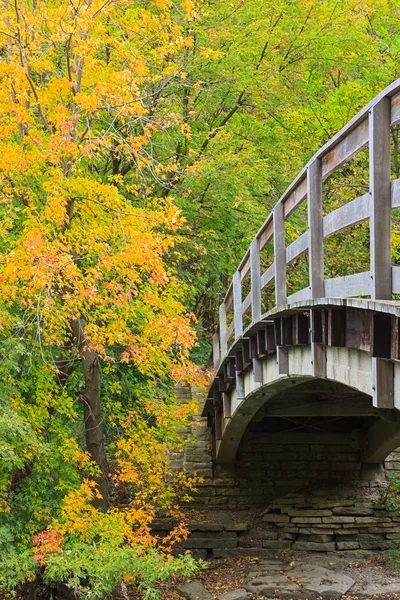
92 412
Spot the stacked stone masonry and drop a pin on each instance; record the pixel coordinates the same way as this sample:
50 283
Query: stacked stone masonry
348 521
319 494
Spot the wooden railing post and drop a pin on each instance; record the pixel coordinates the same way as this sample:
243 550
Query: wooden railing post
316 258
315 226
237 305
216 351
255 275
223 331
280 254
380 200
380 237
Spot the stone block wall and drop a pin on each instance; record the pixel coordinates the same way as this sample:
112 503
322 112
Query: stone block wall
347 520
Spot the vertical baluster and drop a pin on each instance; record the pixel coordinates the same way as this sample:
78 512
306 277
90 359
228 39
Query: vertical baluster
316 257
316 240
255 280
380 237
223 331
380 200
280 279
216 351
237 305
280 255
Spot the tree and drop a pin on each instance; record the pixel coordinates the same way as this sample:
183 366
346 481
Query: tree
84 284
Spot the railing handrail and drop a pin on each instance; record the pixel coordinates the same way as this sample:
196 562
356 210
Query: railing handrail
370 127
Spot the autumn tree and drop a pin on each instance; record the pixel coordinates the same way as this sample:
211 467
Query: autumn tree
87 299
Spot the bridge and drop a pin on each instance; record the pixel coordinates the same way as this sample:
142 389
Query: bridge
325 359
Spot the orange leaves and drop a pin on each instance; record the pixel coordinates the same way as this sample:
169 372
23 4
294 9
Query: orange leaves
46 544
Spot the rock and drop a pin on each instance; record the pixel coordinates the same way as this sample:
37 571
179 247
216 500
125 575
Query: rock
309 513
237 527
322 581
348 545
358 511
310 520
239 594
205 527
314 546
276 518
280 578
194 590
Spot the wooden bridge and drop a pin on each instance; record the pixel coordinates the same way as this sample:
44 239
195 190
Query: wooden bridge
338 335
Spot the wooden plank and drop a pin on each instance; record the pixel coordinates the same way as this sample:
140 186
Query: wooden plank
382 383
355 141
222 331
237 305
262 343
244 266
226 405
229 332
270 337
396 280
301 327
337 327
246 303
381 335
239 364
304 294
358 329
380 192
350 214
316 326
218 422
395 349
229 297
395 109
395 193
267 276
280 255
278 332
316 241
295 198
266 232
287 331
246 353
216 352
297 247
347 286
255 280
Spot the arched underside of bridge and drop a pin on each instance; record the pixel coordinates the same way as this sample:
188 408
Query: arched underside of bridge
344 387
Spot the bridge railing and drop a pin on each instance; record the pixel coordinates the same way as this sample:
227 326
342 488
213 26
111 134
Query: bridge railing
371 127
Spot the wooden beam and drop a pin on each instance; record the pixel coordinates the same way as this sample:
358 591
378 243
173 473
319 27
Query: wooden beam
226 405
380 198
255 280
301 328
270 337
315 224
297 247
222 331
216 352
280 255
381 335
237 305
382 383
287 331
337 327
